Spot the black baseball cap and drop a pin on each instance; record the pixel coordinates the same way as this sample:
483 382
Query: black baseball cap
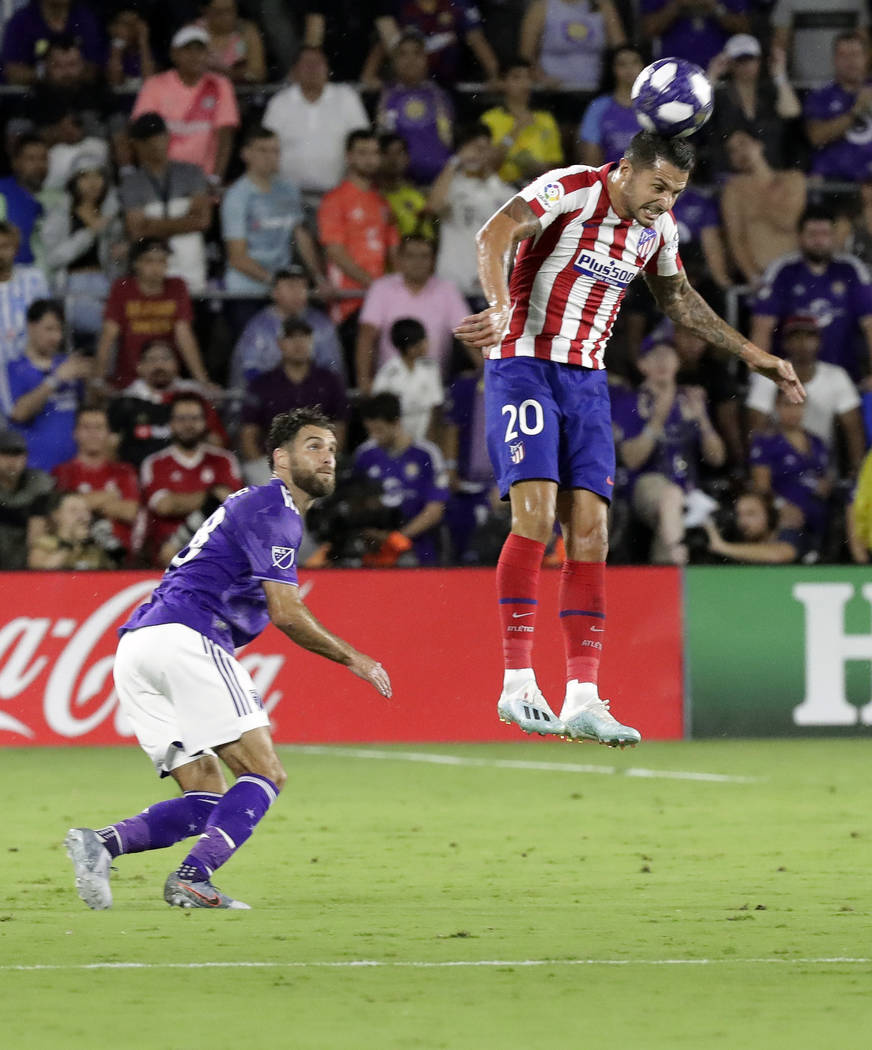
12 443
146 126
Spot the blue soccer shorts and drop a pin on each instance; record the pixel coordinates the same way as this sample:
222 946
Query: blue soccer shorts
549 420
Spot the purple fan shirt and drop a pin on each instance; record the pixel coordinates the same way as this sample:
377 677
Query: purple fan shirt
694 212
795 474
837 298
409 481
214 585
676 455
610 125
424 117
850 157
695 37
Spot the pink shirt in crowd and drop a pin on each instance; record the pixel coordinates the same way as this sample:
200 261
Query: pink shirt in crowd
193 114
439 307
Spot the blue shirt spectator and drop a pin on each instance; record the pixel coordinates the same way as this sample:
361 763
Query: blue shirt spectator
609 125
19 287
19 203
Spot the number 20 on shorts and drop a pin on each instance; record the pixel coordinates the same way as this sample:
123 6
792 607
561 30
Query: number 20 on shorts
528 418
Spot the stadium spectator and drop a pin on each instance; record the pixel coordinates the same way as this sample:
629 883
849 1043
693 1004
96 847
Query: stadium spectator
188 475
663 435
110 488
31 28
807 30
692 29
140 413
859 239
67 542
832 404
609 122
235 45
19 194
466 194
408 203
838 117
130 57
22 498
414 378
19 287
46 388
64 134
81 233
858 523
257 350
168 199
418 109
747 99
566 40
413 478
262 225
442 25
296 383
413 291
199 107
343 27
703 250
143 306
356 228
761 207
760 539
835 288
527 141
66 81
313 119
794 465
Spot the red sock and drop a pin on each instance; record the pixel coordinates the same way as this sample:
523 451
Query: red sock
518 596
582 597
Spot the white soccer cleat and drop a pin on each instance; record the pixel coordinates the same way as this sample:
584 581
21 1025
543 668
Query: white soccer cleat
590 719
526 707
92 863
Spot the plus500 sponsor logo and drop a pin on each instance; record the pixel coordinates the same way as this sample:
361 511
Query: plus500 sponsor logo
612 271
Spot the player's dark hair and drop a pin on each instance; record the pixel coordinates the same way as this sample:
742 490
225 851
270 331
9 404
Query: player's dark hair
40 307
471 132
384 407
286 425
815 213
358 135
185 397
646 149
407 332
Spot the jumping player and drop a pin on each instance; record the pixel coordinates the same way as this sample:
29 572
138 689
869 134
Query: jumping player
189 700
582 235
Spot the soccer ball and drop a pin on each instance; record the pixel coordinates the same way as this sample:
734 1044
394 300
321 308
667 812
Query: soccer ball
672 97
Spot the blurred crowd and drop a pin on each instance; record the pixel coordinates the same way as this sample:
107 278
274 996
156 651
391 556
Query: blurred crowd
211 213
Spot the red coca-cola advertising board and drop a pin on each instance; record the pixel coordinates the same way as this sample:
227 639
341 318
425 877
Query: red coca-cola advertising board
434 630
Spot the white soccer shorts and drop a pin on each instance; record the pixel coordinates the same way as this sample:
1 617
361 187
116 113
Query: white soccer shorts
183 694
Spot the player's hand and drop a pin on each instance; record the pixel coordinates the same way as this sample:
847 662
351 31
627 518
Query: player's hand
484 330
371 671
778 370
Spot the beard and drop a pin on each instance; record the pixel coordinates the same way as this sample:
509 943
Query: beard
312 483
190 441
817 256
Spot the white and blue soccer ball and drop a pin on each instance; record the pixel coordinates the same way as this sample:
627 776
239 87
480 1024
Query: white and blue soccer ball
672 97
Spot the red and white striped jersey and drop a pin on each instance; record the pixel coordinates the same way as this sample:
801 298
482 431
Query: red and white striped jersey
568 282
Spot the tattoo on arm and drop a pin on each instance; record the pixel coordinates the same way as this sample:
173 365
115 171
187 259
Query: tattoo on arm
685 306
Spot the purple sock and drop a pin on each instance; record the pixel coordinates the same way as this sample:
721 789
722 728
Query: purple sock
230 825
162 824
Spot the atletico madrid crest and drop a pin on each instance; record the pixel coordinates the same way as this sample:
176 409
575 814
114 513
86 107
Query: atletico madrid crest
516 451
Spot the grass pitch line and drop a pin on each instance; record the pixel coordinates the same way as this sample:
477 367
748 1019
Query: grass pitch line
375 964
509 763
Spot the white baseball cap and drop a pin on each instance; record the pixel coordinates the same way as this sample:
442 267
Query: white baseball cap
190 35
743 45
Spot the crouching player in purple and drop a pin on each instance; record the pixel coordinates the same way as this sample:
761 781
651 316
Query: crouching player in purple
190 701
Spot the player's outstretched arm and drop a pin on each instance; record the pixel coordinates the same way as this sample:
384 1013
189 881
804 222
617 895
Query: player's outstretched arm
289 613
684 305
495 243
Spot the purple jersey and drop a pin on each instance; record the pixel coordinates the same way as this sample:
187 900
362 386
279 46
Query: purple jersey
698 37
837 298
694 212
677 454
409 481
610 125
423 116
849 158
795 474
214 585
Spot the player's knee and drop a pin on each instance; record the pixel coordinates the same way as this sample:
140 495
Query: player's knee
590 544
279 777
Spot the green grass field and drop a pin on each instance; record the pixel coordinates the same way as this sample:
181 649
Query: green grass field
521 895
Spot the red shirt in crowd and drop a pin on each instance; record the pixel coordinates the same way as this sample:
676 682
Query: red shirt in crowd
170 470
143 317
118 478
